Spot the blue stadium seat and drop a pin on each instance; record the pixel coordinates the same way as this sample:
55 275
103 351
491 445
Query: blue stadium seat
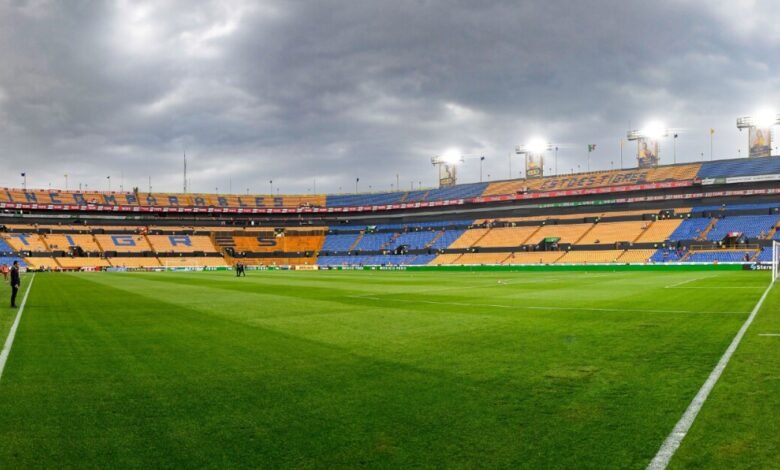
740 167
339 242
752 226
5 248
690 229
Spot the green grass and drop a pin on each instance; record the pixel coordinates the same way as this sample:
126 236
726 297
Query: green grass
387 369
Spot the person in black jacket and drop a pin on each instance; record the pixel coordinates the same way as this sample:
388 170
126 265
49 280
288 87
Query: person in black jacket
15 282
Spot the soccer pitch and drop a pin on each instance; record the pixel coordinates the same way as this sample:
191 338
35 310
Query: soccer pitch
388 369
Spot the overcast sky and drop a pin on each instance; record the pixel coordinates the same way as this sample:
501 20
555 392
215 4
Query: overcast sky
332 90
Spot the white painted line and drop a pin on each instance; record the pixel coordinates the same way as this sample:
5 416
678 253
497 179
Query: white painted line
683 282
12 333
769 334
531 307
717 287
673 441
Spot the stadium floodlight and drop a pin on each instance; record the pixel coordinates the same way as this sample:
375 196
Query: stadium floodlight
447 164
535 146
451 156
766 118
654 130
534 156
761 119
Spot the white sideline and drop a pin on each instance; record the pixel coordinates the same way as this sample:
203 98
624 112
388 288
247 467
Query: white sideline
673 441
12 332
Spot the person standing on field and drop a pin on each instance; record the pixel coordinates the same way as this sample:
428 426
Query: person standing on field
15 282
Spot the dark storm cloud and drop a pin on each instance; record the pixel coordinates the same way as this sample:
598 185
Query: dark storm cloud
334 90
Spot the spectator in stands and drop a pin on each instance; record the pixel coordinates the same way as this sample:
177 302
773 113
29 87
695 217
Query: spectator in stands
15 282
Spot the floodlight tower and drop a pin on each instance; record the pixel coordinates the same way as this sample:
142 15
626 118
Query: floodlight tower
647 140
759 132
447 164
533 152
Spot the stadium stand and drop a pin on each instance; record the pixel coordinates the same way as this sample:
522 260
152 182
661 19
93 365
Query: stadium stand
660 230
5 248
569 233
740 167
691 229
752 226
612 232
596 179
181 244
124 243
508 236
25 242
66 242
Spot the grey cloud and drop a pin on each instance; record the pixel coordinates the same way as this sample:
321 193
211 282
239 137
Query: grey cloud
334 90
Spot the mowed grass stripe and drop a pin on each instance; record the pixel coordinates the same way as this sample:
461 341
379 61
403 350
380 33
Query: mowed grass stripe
146 372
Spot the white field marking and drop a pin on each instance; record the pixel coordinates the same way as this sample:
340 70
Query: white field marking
12 332
716 287
531 307
500 282
673 441
683 282
769 334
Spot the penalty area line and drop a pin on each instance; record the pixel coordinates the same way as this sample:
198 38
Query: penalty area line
12 332
675 438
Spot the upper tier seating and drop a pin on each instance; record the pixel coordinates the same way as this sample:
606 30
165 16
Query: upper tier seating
82 198
740 167
461 191
596 179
